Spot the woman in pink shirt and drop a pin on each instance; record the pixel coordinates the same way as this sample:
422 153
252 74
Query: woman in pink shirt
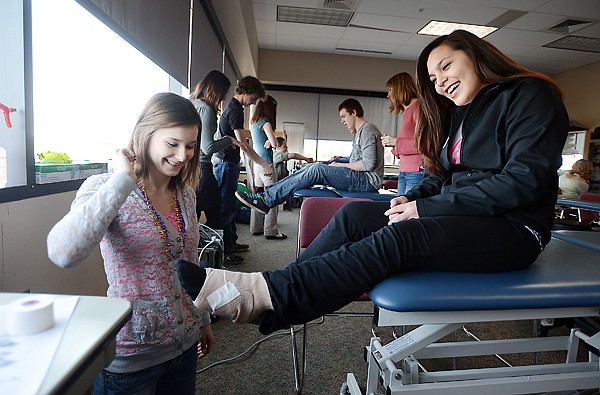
402 93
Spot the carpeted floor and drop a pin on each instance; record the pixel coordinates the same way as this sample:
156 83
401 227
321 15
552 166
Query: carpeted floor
335 346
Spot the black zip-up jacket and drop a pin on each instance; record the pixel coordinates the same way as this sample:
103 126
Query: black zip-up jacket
513 136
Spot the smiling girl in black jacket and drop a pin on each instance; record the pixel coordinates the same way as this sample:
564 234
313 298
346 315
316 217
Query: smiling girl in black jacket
491 134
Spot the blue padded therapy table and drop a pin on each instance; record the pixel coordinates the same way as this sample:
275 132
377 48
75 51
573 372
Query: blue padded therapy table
564 282
323 191
589 240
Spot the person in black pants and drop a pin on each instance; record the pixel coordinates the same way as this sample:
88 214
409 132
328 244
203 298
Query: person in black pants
206 97
491 134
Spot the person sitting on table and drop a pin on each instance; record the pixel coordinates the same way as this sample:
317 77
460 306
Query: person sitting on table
362 172
281 155
577 180
489 207
144 217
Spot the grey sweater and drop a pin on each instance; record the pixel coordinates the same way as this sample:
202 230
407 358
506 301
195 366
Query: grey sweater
208 144
367 147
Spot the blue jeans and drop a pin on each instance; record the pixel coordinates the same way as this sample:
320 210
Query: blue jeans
408 180
317 174
358 249
227 175
177 376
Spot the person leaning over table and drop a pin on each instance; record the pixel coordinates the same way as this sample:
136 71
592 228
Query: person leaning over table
487 206
248 91
144 217
262 128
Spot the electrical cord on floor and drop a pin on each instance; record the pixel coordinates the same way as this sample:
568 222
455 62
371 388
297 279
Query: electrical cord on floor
254 347
202 228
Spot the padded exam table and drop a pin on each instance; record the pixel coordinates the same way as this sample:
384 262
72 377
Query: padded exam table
323 191
584 239
564 282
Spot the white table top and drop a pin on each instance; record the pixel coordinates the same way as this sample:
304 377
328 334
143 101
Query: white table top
87 343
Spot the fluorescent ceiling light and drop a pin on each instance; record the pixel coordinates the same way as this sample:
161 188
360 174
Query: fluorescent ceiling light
438 28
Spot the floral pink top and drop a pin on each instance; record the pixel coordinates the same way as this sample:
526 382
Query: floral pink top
109 210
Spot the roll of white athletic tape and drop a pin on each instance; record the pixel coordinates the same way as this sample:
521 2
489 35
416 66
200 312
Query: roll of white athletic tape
30 315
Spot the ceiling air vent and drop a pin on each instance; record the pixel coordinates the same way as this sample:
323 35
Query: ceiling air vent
340 4
576 43
315 16
568 26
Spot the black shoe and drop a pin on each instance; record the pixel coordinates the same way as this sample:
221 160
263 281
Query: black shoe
253 200
280 236
240 247
233 259
191 277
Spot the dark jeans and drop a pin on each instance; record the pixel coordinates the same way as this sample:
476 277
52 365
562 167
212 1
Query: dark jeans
176 376
227 175
357 250
208 198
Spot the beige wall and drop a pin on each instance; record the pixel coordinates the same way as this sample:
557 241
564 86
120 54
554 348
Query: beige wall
24 262
581 89
237 21
328 70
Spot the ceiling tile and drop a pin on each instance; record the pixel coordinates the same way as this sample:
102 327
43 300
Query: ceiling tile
308 30
378 47
535 21
391 26
508 36
573 8
375 36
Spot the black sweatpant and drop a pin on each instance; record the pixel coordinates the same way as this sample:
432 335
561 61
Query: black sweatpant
357 250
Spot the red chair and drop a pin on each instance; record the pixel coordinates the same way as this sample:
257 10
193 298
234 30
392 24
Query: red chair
577 218
590 197
390 184
315 213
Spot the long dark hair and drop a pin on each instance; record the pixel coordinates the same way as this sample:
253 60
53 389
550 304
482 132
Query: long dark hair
165 110
266 109
490 65
212 89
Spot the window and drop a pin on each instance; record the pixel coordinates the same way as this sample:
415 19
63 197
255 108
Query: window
89 85
76 87
326 149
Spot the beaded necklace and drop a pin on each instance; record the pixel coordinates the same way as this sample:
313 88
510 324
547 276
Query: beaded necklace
162 229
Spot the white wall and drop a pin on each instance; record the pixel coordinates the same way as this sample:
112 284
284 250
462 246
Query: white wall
581 90
24 262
